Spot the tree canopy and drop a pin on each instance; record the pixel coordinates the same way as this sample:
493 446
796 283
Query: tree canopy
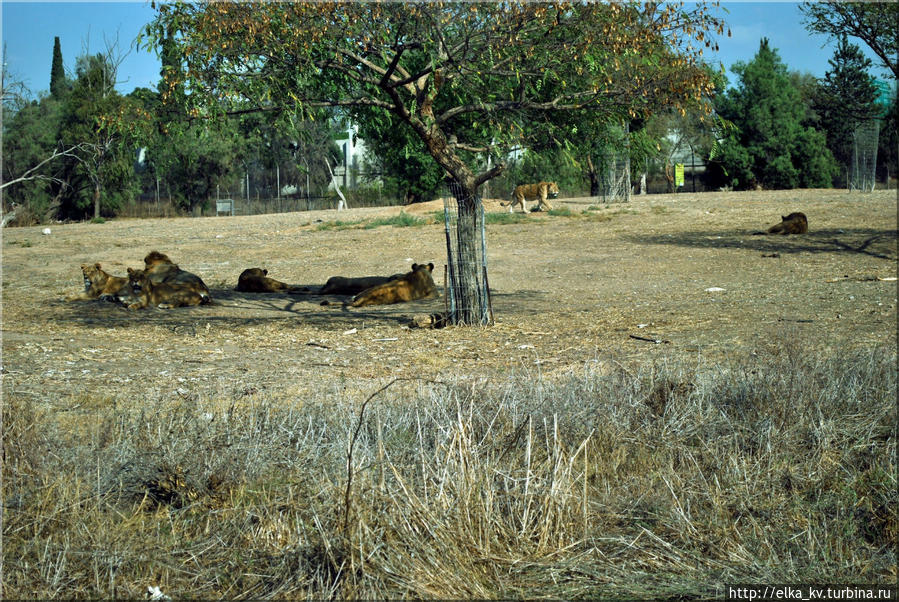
875 23
462 76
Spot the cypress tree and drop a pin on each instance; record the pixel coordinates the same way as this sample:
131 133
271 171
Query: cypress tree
57 72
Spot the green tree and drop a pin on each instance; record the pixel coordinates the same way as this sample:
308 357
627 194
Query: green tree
192 156
100 178
888 143
845 99
59 85
406 168
771 147
460 76
875 23
30 136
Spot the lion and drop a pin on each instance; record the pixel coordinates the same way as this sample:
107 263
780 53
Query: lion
539 192
340 285
163 295
255 280
100 285
414 285
160 269
795 223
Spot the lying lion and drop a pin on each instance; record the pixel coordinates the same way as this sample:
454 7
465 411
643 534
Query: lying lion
100 285
340 285
163 295
161 269
256 280
412 286
795 223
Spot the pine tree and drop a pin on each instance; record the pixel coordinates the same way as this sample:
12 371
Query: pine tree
846 98
774 148
58 84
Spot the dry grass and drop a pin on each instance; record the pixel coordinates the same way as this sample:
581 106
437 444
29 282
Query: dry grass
629 480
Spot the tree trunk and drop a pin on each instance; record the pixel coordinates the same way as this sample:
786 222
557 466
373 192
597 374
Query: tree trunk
593 177
467 266
97 201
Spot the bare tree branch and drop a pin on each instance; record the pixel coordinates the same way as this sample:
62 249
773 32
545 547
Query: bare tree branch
31 175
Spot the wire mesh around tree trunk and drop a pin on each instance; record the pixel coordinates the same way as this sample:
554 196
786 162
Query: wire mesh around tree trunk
467 288
864 155
615 177
615 168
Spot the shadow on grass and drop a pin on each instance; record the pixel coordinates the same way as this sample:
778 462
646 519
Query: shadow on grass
867 241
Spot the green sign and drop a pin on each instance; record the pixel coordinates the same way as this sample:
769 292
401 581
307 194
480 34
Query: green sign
678 174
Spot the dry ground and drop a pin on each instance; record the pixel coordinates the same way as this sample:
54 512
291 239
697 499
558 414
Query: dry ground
567 291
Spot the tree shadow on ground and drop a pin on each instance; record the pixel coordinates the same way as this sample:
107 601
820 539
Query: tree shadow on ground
232 308
867 241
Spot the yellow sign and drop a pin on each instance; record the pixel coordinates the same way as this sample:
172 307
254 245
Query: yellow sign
678 174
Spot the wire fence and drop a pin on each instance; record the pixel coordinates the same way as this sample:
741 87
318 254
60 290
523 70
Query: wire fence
864 155
467 288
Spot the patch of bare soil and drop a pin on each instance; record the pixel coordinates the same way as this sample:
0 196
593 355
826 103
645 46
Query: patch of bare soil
665 274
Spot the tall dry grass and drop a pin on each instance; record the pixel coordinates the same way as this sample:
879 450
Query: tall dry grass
638 481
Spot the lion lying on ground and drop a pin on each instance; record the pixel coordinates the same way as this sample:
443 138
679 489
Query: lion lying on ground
255 280
100 285
160 269
412 286
163 294
340 285
795 223
538 192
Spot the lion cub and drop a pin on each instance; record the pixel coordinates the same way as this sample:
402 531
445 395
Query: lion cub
413 285
162 295
100 285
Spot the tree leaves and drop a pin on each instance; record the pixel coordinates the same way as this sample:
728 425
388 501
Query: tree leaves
503 62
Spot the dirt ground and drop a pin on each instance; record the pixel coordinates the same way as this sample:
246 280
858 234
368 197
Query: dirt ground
567 291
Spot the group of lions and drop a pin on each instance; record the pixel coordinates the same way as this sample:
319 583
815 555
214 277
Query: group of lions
164 285
366 290
160 284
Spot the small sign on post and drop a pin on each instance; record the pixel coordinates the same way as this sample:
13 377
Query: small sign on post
224 206
679 174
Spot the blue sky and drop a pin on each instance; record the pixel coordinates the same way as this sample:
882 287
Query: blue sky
29 28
